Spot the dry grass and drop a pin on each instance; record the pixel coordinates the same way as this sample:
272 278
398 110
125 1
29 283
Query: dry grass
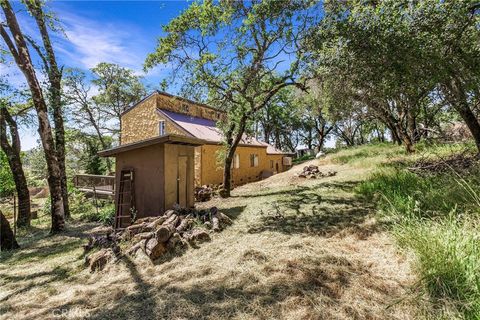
299 249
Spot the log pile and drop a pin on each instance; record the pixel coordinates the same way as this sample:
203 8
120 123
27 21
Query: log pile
312 172
460 163
203 193
156 236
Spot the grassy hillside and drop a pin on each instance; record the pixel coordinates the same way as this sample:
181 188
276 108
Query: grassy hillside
431 203
298 249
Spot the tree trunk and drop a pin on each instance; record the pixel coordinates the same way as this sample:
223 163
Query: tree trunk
15 163
55 79
472 122
21 54
7 238
232 144
458 99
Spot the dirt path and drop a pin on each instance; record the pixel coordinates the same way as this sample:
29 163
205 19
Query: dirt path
299 249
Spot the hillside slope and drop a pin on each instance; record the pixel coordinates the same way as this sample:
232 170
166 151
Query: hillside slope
298 249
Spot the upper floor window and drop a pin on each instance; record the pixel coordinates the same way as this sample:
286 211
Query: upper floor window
185 108
161 128
254 160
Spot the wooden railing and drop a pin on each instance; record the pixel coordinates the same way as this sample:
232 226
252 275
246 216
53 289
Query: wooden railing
97 184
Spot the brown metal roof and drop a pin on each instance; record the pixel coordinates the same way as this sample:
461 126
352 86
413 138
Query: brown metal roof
169 138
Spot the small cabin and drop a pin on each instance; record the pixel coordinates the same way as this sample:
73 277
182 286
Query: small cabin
152 176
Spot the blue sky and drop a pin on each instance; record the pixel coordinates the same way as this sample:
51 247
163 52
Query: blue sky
121 32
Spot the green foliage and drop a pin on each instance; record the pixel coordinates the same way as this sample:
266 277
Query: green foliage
84 209
7 185
303 158
365 153
448 259
437 217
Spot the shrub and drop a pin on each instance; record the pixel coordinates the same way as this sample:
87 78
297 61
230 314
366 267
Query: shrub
85 209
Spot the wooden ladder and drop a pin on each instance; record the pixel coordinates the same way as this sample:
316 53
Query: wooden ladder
125 200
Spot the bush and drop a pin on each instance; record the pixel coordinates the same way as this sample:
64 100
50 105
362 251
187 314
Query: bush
85 209
425 217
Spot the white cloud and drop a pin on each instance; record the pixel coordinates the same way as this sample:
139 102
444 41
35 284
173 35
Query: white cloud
90 42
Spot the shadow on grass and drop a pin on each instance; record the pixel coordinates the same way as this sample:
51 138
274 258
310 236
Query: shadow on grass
38 244
138 305
57 274
267 194
317 284
313 211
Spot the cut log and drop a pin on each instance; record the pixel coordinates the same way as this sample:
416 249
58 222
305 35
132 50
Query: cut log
139 245
171 220
155 249
135 228
197 235
224 219
144 220
164 232
98 260
155 223
174 241
143 236
215 224
168 213
184 225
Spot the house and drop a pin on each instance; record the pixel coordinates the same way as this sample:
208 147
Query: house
152 175
161 114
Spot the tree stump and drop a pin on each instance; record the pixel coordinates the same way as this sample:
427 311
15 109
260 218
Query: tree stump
7 239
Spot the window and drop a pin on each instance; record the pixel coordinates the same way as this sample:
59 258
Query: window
271 164
236 162
161 128
185 108
254 160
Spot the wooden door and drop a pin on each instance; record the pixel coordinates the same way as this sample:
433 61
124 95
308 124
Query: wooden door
182 183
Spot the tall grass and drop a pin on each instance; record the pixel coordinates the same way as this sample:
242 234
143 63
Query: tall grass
436 217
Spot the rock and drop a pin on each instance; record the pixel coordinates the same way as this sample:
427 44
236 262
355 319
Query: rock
319 155
208 224
98 260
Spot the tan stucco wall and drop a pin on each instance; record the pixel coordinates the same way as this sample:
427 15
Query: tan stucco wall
141 122
211 172
182 106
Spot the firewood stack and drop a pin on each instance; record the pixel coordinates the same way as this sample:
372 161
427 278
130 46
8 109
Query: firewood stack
203 193
312 172
155 236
